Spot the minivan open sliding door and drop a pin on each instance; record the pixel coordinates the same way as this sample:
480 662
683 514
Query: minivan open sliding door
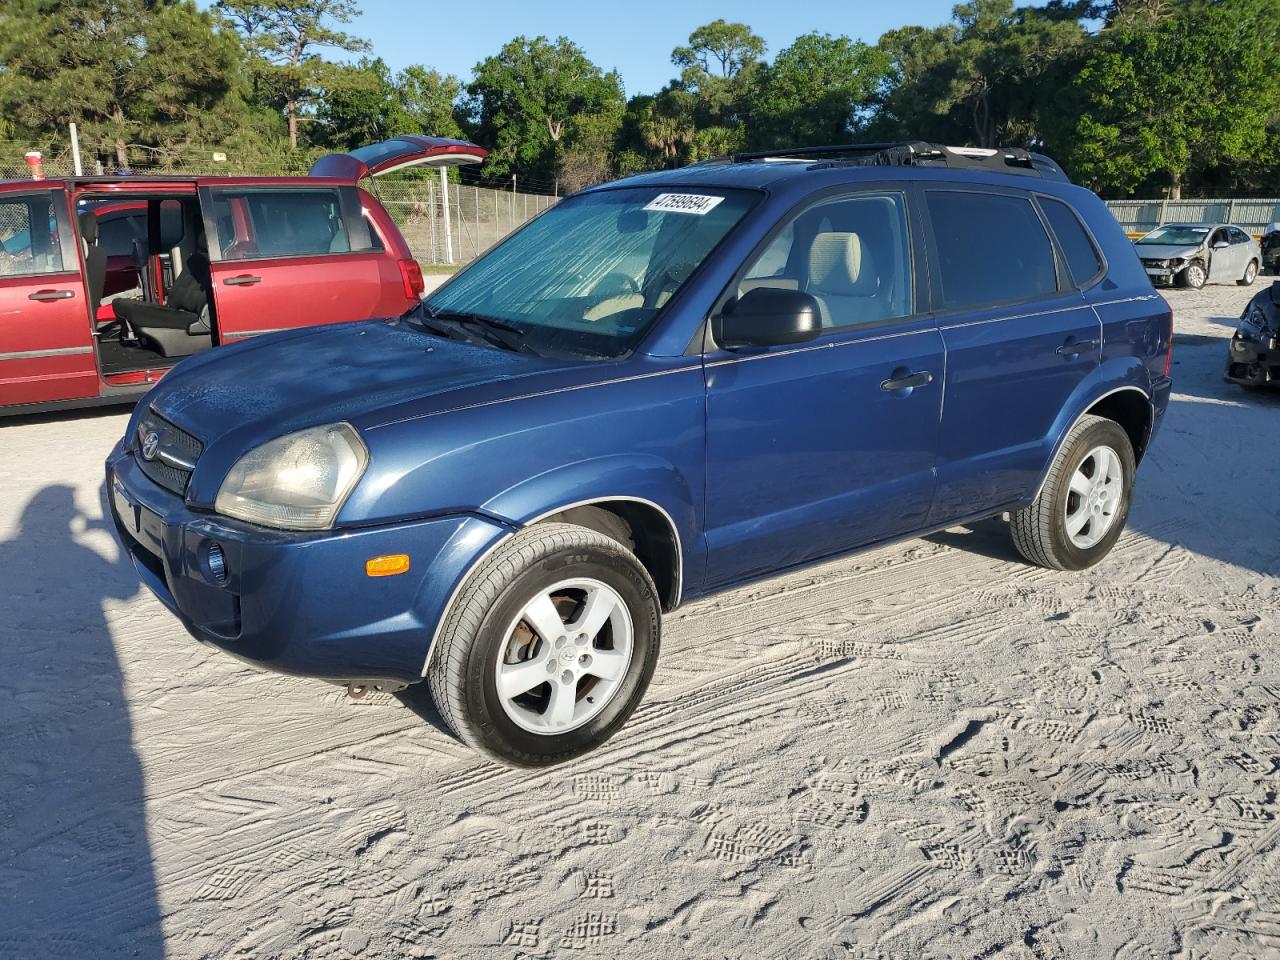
46 340
286 256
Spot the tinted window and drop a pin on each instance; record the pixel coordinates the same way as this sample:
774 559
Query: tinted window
29 237
280 223
991 249
852 254
1082 255
1238 235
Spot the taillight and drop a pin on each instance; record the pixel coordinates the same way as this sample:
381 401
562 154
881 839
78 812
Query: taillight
411 273
1168 356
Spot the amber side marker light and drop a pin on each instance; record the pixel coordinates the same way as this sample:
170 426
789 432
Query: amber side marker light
387 566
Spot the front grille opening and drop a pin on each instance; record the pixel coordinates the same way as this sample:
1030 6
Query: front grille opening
171 447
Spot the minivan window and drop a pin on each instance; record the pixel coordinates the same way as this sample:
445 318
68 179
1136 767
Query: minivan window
592 273
29 242
279 223
992 248
1082 255
852 254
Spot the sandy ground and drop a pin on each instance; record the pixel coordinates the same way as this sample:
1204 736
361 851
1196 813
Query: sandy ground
929 750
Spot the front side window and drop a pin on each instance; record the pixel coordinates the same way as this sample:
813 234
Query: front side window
591 274
29 243
1082 255
853 254
258 223
992 248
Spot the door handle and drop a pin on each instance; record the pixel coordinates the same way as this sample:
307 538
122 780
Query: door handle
1073 348
244 280
52 295
907 382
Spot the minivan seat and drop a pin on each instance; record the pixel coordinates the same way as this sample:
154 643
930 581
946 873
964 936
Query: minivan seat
95 260
181 326
844 279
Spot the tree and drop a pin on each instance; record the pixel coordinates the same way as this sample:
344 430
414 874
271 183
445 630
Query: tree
429 99
285 36
985 78
535 99
1166 96
815 91
155 75
717 68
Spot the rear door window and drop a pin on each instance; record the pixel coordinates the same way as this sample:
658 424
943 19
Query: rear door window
992 249
262 223
1082 256
29 241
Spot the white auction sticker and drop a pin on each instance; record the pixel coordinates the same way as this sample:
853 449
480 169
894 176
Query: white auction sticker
698 204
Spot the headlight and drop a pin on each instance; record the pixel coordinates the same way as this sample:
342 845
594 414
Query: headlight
295 482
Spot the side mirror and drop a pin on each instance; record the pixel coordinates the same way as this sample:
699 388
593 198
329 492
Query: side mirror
1221 245
769 317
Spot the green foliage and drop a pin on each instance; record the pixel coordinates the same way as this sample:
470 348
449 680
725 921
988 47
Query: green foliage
143 80
282 37
536 100
1159 98
815 91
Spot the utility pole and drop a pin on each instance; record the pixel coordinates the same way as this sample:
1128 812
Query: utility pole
448 226
75 150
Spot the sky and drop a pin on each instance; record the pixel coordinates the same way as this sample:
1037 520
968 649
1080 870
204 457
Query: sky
635 39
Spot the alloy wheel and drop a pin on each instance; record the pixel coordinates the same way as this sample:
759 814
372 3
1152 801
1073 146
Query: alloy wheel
1094 497
565 656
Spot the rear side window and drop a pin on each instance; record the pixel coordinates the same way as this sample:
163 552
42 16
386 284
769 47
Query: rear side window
992 248
1238 235
256 223
1082 255
29 242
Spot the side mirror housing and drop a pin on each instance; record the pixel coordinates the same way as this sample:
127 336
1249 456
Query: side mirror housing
769 317
1221 245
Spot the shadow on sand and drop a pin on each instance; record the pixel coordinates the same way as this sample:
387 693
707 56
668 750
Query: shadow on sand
76 875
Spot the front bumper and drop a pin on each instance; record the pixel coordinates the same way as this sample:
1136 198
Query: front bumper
297 603
1253 360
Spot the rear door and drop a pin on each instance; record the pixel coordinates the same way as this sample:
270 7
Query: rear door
293 256
1222 260
46 341
1020 339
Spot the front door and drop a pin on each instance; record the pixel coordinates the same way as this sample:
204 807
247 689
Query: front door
818 448
46 341
1020 340
285 257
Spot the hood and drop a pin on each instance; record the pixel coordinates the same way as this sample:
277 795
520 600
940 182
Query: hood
236 397
1165 251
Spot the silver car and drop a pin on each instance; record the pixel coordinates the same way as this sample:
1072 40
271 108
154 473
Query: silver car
1193 254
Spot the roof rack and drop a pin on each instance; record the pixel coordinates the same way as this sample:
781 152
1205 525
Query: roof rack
917 153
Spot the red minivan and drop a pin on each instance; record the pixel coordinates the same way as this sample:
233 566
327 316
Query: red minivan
107 282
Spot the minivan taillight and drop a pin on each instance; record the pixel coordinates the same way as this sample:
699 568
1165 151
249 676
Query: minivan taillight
411 273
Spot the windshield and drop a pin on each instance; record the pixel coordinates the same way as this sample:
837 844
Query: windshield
1177 235
590 275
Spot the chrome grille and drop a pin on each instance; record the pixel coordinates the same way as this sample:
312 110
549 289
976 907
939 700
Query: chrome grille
166 453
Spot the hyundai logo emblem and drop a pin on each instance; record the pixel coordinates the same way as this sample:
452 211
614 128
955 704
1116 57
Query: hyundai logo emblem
150 444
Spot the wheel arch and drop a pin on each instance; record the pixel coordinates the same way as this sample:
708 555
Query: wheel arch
1128 404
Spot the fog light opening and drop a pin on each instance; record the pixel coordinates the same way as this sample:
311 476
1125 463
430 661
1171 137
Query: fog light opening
216 562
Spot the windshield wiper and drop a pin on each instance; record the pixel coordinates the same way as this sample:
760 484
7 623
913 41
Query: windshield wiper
492 329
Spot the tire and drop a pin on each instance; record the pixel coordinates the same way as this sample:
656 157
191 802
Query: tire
1193 276
1041 532
491 622
1250 274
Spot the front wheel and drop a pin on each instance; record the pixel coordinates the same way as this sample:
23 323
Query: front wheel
1082 506
1194 276
549 647
1250 274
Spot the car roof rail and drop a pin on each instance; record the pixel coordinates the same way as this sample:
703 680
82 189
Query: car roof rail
903 153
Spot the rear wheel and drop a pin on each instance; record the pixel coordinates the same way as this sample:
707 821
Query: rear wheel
1082 507
1250 274
549 647
1194 276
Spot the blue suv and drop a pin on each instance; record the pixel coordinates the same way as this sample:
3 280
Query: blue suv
660 388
